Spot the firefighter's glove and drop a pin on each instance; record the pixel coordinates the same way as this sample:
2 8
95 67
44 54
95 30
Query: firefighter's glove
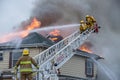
15 69
15 72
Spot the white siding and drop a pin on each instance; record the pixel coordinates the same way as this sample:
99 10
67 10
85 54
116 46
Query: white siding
35 51
5 63
74 67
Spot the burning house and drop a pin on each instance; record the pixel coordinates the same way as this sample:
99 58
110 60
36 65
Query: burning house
79 66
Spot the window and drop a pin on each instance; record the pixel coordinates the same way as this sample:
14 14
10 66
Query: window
1 56
14 56
89 68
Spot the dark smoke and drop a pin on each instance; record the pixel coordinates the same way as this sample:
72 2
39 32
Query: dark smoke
106 12
107 41
47 14
50 12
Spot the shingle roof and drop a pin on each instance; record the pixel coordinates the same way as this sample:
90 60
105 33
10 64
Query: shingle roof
34 37
32 40
86 54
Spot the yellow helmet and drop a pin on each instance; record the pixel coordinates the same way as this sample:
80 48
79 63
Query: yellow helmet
82 21
25 52
88 16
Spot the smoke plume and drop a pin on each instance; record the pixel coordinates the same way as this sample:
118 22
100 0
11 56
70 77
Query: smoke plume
50 12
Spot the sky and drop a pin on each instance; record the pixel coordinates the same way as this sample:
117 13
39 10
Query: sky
13 12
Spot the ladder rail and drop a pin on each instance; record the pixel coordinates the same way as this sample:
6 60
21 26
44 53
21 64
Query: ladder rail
67 39
63 49
68 50
45 55
44 58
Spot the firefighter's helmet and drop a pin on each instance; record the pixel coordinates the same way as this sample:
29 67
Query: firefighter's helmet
88 16
25 52
82 21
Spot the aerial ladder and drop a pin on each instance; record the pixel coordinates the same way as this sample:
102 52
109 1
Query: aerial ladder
55 56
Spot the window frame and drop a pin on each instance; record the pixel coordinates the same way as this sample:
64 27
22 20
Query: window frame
12 57
1 56
89 65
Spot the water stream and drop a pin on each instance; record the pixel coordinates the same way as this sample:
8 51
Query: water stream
17 40
105 70
55 27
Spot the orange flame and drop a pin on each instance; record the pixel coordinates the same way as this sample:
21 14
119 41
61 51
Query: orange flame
53 39
85 48
54 33
34 24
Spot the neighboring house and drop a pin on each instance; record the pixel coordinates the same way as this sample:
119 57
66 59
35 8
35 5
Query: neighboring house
10 53
79 67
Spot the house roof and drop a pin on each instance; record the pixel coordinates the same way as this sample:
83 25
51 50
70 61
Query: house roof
86 54
32 40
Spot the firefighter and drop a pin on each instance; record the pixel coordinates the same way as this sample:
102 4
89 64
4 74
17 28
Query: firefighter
25 62
90 21
83 26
